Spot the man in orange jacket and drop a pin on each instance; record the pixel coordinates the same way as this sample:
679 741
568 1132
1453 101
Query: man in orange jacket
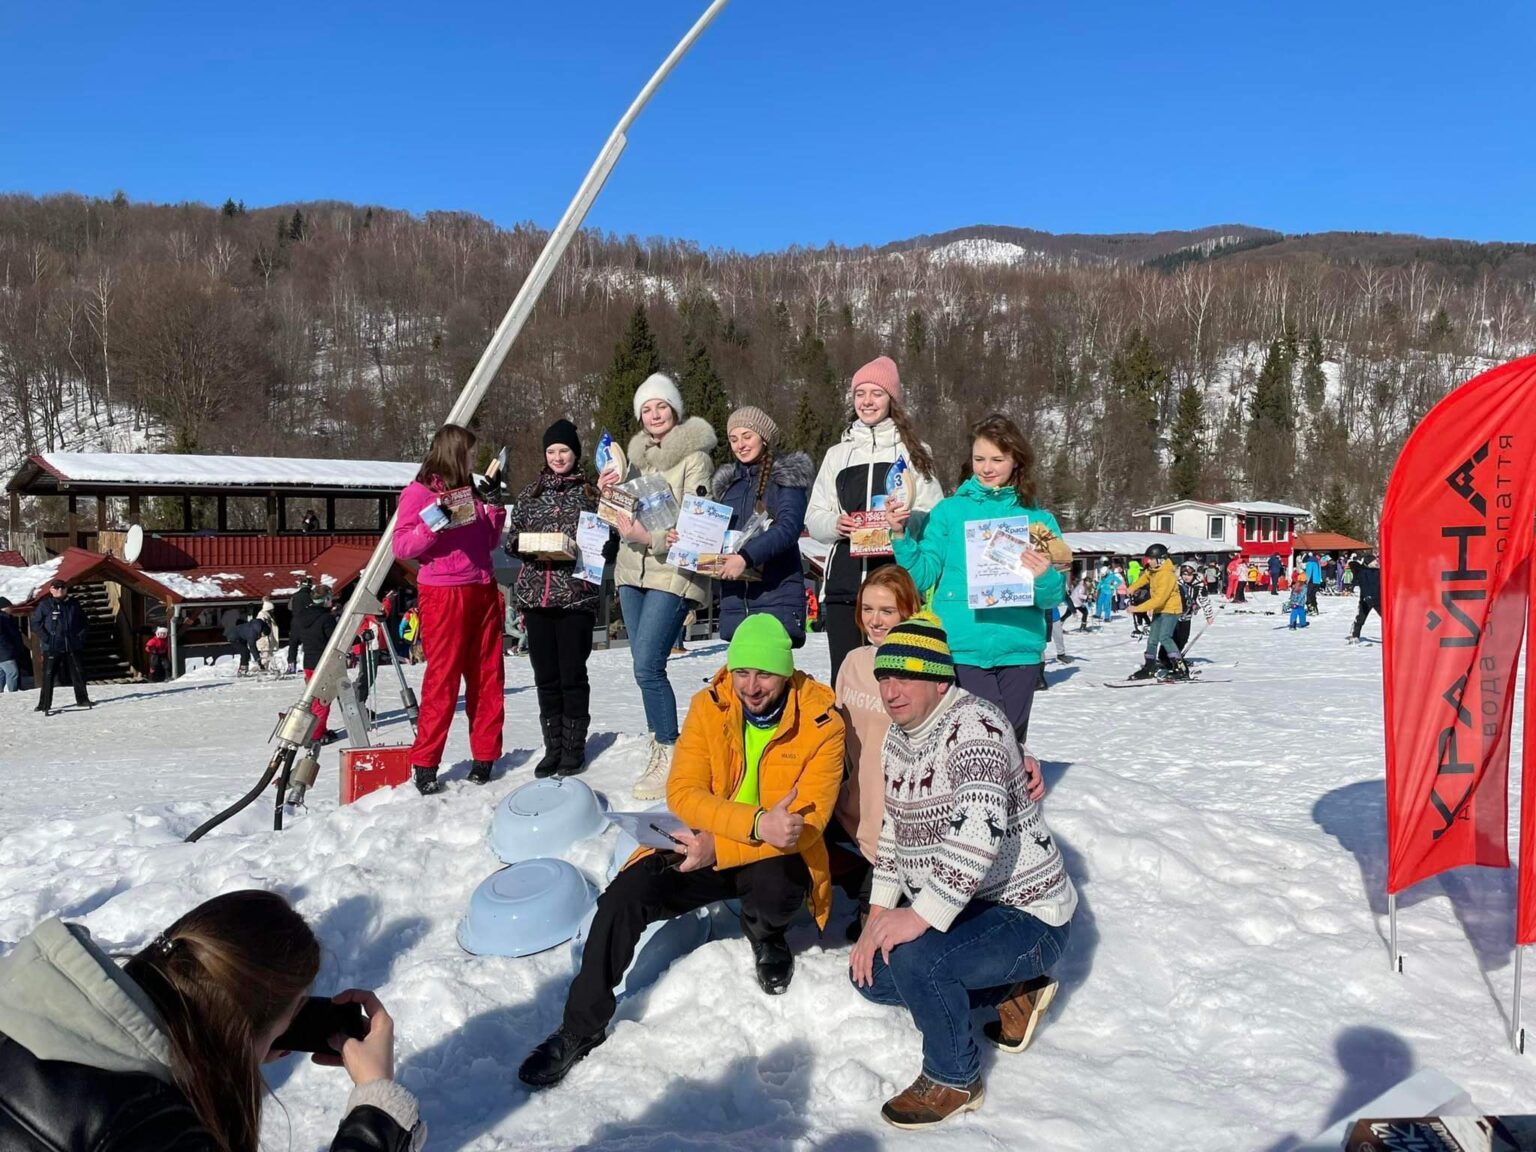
755 775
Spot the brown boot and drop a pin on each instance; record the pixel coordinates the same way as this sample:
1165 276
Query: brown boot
1019 1015
926 1103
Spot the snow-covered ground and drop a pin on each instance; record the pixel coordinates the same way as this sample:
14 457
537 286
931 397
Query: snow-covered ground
1226 986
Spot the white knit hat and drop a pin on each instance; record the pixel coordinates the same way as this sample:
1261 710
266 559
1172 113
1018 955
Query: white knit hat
658 386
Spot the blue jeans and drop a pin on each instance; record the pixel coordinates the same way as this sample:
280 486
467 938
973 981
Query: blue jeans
941 976
652 620
10 676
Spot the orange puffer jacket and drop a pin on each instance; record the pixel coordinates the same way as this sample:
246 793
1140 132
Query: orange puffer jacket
805 753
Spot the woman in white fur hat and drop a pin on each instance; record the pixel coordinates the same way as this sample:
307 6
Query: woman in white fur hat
653 595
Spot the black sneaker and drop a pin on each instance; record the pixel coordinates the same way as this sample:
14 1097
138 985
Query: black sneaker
481 772
549 1063
426 780
775 964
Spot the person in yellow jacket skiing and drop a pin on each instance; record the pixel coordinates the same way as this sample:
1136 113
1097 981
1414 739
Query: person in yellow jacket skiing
1163 606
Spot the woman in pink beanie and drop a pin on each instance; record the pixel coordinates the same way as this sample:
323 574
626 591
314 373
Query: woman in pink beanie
852 479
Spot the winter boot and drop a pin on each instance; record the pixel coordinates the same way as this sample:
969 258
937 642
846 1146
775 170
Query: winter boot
553 747
927 1102
573 756
480 773
775 964
1148 671
652 784
548 1064
1019 1015
1178 670
426 779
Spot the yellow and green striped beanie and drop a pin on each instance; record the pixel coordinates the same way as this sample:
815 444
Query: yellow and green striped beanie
916 649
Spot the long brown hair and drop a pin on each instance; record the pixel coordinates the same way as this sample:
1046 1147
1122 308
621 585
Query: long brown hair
917 452
894 578
1003 432
220 977
451 446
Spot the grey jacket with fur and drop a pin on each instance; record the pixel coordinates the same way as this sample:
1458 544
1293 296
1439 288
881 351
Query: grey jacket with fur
682 459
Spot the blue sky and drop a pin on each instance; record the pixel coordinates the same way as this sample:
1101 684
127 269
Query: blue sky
795 121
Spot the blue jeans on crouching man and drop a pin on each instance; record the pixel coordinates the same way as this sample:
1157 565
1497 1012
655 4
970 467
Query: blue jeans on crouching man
941 976
652 620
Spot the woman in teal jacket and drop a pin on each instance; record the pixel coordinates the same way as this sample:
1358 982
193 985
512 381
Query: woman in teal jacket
997 651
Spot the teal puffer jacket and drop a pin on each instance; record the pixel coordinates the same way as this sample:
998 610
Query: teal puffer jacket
992 637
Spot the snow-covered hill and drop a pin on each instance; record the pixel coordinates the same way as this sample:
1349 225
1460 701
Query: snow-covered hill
1226 984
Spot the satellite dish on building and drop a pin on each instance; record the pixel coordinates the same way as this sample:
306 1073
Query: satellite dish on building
134 544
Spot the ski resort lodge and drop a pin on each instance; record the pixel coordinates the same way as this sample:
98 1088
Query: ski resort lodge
213 533
1252 527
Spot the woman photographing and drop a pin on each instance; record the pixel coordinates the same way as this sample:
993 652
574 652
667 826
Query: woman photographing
165 1053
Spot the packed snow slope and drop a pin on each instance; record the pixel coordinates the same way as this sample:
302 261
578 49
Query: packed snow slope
1226 985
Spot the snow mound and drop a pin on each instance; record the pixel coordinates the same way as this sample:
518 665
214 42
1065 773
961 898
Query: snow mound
1225 986
980 251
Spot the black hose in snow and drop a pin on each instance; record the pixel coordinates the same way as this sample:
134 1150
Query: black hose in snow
282 758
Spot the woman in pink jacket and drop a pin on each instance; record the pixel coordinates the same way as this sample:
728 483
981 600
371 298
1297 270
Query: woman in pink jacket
460 605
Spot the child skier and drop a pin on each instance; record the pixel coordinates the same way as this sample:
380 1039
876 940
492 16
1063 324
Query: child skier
1300 587
1162 607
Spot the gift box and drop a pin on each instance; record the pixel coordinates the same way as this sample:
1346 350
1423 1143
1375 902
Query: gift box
546 545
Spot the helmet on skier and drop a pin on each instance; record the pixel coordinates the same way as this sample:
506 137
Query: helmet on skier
1157 552
1191 567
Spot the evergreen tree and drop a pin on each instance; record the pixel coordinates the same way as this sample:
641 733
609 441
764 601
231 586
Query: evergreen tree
1188 442
1335 514
704 395
1271 447
296 227
1137 377
1314 384
229 208
810 431
634 358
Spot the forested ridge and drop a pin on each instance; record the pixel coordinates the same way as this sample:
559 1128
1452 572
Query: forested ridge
1279 368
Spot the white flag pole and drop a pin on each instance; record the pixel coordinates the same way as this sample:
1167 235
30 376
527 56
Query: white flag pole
297 729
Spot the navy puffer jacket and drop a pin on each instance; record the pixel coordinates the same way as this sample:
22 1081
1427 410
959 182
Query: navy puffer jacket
552 504
776 553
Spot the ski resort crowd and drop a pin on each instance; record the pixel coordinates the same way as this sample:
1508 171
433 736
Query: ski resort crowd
906 782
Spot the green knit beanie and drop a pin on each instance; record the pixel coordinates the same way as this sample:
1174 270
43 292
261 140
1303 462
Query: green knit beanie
762 644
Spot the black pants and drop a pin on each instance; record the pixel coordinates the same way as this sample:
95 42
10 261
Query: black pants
243 650
74 666
1367 606
857 878
843 635
559 642
771 892
1312 596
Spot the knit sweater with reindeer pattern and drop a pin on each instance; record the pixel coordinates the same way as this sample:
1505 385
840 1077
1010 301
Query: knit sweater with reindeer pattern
959 824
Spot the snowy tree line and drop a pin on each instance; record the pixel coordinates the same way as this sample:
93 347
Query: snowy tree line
332 329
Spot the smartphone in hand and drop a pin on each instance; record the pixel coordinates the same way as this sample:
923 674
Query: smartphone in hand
317 1021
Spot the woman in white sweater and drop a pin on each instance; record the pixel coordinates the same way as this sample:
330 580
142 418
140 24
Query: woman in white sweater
852 478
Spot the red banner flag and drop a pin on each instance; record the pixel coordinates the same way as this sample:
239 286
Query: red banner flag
1455 537
1525 920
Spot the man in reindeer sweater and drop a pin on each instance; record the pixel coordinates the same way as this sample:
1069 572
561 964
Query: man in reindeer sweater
971 903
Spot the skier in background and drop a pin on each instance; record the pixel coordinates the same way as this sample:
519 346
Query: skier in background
1162 607
1314 578
1367 581
1301 592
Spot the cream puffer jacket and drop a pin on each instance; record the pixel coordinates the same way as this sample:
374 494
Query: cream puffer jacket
682 459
